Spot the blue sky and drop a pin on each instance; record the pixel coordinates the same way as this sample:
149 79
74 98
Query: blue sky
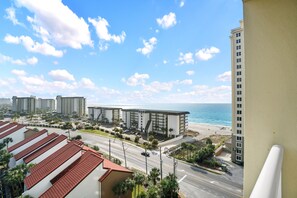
118 52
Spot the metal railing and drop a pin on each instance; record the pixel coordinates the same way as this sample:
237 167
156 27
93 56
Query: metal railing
269 181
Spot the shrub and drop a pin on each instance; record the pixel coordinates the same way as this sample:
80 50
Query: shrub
127 138
151 138
155 143
136 140
96 148
116 161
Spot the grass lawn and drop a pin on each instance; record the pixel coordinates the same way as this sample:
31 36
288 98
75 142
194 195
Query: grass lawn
98 132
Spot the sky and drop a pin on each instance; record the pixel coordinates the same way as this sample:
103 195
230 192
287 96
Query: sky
118 51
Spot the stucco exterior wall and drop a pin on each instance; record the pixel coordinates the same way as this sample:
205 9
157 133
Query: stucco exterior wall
16 136
271 88
90 183
173 122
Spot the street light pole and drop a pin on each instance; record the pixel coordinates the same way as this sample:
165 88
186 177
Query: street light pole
174 165
109 151
145 161
124 155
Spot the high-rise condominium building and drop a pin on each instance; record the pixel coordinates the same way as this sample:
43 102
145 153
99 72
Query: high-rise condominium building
5 101
71 105
24 104
45 104
237 53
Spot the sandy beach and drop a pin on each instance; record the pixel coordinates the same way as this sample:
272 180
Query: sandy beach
206 130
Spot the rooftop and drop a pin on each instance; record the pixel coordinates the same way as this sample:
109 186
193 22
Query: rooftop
39 152
172 112
2 123
107 108
36 146
25 141
50 164
12 130
11 125
74 175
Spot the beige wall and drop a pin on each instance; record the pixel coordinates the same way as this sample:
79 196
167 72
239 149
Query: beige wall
271 88
111 180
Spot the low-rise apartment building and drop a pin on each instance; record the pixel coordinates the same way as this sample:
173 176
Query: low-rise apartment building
105 114
169 123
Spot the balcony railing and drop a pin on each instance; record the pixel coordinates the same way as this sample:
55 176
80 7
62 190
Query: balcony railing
269 181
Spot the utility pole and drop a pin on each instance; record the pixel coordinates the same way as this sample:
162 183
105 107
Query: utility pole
174 165
145 161
161 163
109 151
124 155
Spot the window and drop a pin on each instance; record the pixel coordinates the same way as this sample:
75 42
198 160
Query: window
238 131
238 66
239 106
238 125
238 92
238 41
238 34
238 158
238 151
239 112
238 60
238 47
238 99
238 118
238 73
238 86
238 53
238 79
238 138
238 145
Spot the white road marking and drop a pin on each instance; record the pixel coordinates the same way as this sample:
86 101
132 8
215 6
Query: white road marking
182 178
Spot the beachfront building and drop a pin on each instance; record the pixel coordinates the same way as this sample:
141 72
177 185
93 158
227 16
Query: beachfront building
105 114
45 105
71 105
237 60
171 123
25 105
5 101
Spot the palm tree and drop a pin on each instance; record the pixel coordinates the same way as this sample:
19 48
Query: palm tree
139 179
153 192
119 189
130 184
7 140
154 175
171 130
4 159
169 186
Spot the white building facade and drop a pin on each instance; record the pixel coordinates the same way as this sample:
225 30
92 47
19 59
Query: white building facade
237 60
169 123
71 105
105 114
45 105
24 104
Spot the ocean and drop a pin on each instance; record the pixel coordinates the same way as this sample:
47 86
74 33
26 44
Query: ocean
213 114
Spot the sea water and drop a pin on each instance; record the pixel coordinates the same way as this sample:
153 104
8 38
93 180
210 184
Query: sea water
213 114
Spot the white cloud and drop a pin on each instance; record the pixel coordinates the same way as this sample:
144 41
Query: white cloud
225 77
136 79
18 72
157 86
55 62
32 61
33 46
167 21
101 25
186 82
148 46
190 72
61 75
157 31
207 53
182 3
165 62
32 80
6 82
12 17
55 22
186 58
87 83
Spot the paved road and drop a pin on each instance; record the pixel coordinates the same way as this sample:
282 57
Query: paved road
194 182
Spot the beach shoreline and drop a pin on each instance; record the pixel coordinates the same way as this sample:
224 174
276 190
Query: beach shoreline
208 129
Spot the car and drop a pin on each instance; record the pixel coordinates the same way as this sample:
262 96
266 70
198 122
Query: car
127 131
145 154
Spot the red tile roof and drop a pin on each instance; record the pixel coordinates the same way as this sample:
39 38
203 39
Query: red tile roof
50 164
83 167
112 167
12 130
25 141
10 125
36 146
39 152
2 123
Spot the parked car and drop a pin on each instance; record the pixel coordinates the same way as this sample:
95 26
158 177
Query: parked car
145 154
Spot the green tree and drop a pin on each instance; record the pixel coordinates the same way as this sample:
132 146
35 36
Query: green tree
136 140
171 130
139 179
154 175
155 143
7 140
169 187
153 192
208 141
119 189
130 184
4 159
96 148
142 195
151 137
